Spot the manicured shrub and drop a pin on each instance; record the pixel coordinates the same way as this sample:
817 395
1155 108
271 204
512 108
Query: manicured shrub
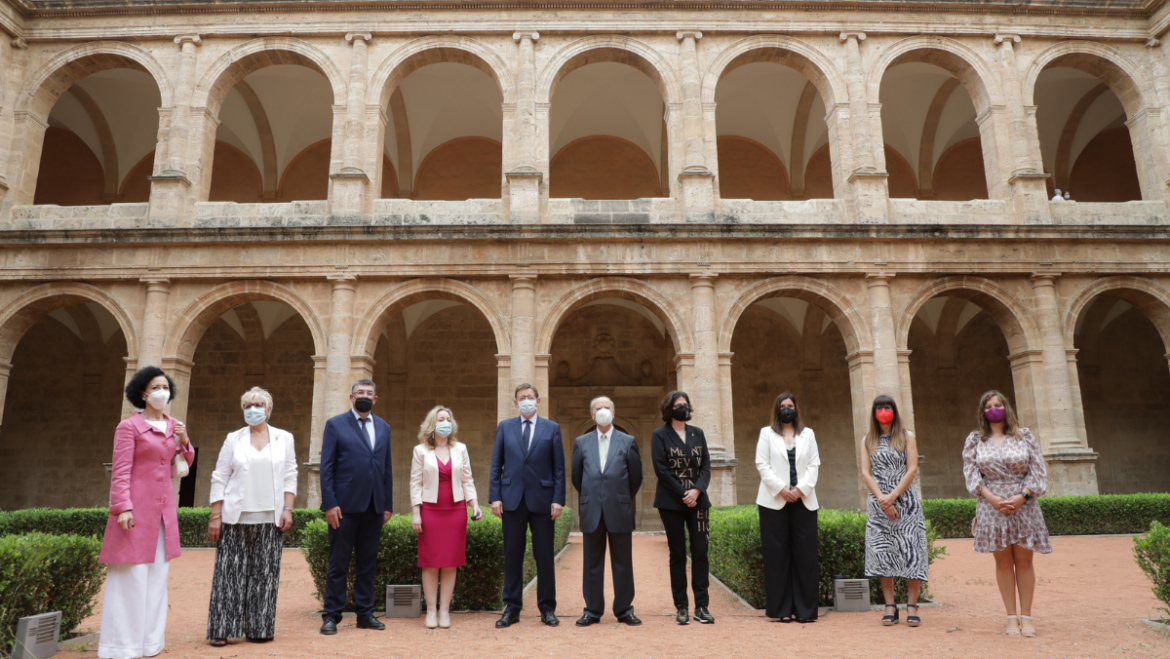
736 553
1083 515
1152 552
480 582
40 573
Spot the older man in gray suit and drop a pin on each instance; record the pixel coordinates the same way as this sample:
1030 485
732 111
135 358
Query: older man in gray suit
607 471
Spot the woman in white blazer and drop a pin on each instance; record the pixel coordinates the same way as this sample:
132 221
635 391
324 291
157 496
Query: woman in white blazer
252 493
788 462
441 488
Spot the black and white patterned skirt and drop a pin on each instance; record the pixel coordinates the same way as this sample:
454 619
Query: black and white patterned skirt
247 577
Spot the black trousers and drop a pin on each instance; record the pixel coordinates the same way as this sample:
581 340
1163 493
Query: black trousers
679 524
791 566
621 562
516 526
356 537
245 582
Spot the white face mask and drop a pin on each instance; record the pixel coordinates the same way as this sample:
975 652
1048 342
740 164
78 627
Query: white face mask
254 416
527 407
604 417
158 399
443 429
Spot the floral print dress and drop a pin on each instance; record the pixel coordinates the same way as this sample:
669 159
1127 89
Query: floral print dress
1006 470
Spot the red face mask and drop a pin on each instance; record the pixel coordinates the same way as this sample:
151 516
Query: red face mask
884 416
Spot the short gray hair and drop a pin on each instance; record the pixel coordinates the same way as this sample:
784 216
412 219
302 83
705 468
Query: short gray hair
593 403
368 383
256 394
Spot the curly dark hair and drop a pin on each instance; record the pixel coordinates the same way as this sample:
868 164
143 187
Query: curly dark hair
667 405
137 385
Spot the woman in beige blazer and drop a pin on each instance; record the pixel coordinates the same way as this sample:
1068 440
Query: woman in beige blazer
441 488
788 462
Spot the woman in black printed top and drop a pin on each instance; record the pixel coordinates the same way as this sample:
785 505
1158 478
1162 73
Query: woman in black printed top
683 466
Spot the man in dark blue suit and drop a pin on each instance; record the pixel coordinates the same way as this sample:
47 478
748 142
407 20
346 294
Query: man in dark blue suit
356 487
528 491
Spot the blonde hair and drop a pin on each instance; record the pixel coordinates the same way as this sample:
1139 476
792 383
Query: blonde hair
897 430
426 431
1011 427
254 394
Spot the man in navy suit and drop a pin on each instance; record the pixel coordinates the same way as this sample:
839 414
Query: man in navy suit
528 491
356 487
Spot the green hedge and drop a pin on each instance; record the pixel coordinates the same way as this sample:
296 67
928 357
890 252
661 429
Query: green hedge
736 553
41 572
1152 553
92 522
1084 515
480 582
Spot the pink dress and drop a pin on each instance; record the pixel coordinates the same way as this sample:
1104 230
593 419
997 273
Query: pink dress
443 541
1006 470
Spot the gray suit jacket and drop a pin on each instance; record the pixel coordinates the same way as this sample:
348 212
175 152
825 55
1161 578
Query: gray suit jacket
610 492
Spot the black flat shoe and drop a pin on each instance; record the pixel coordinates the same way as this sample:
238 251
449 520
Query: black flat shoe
549 618
888 620
630 619
371 623
330 627
586 620
508 619
682 617
704 616
259 640
912 620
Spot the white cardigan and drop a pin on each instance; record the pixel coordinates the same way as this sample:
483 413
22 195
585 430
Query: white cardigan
772 463
424 475
231 471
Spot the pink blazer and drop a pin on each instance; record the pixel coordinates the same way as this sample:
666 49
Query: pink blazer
141 483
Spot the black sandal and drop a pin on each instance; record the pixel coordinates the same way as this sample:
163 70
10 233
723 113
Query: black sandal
218 642
912 620
888 620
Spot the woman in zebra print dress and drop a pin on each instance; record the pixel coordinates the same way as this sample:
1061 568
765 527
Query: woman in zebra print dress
895 530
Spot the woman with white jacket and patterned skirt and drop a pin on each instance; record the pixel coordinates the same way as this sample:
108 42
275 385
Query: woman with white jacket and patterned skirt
252 493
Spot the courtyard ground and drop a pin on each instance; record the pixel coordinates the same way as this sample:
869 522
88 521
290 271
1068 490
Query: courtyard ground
1089 600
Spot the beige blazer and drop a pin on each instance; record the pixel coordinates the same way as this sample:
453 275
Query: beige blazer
424 475
772 463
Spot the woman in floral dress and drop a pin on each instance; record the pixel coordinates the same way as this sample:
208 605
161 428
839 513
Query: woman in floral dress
1004 468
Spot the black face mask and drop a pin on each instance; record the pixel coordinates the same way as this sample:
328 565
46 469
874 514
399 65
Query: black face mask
363 405
681 413
787 414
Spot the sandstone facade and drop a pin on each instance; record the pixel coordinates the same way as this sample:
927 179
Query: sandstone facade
912 252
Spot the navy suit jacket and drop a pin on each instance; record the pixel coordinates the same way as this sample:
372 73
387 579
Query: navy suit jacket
536 476
351 472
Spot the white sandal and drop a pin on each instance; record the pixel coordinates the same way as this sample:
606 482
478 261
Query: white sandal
1026 628
1013 631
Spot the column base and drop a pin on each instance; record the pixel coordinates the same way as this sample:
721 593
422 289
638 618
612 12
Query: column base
698 194
1030 197
1072 472
871 195
347 199
313 467
721 490
524 195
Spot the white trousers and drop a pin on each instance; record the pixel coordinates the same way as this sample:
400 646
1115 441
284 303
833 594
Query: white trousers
134 611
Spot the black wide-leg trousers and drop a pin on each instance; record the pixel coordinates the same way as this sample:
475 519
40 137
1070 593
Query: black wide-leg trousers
791 566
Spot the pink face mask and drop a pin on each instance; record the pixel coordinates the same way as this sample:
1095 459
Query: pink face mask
995 414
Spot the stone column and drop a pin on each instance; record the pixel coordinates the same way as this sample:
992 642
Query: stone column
706 389
697 183
170 188
867 177
523 362
349 187
524 198
862 390
338 366
906 402
887 368
154 321
316 429
504 387
180 371
1071 461
1026 177
5 370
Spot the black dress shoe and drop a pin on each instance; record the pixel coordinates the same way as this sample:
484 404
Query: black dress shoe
371 623
330 627
704 616
586 620
508 619
630 619
682 617
549 618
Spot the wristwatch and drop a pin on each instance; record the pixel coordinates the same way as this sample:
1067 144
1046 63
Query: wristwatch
1026 496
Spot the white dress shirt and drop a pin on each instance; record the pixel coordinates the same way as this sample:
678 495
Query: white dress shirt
369 426
603 440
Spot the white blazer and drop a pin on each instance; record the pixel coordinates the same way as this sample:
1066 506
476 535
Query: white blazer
772 462
424 475
231 471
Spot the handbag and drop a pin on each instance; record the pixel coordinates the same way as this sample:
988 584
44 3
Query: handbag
179 467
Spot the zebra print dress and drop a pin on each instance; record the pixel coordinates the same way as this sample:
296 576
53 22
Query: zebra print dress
894 547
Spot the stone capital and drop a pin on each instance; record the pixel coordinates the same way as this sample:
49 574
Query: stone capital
846 36
703 279
156 283
1006 38
683 34
358 36
18 43
873 279
1153 42
184 38
1044 278
342 280
523 281
529 35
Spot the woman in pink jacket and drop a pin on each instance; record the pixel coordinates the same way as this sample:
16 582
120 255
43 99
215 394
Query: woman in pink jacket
142 534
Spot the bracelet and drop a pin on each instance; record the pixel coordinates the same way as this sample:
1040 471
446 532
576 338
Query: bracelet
288 509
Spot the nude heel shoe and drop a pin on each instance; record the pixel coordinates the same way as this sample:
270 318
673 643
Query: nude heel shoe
1026 628
445 625
428 623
